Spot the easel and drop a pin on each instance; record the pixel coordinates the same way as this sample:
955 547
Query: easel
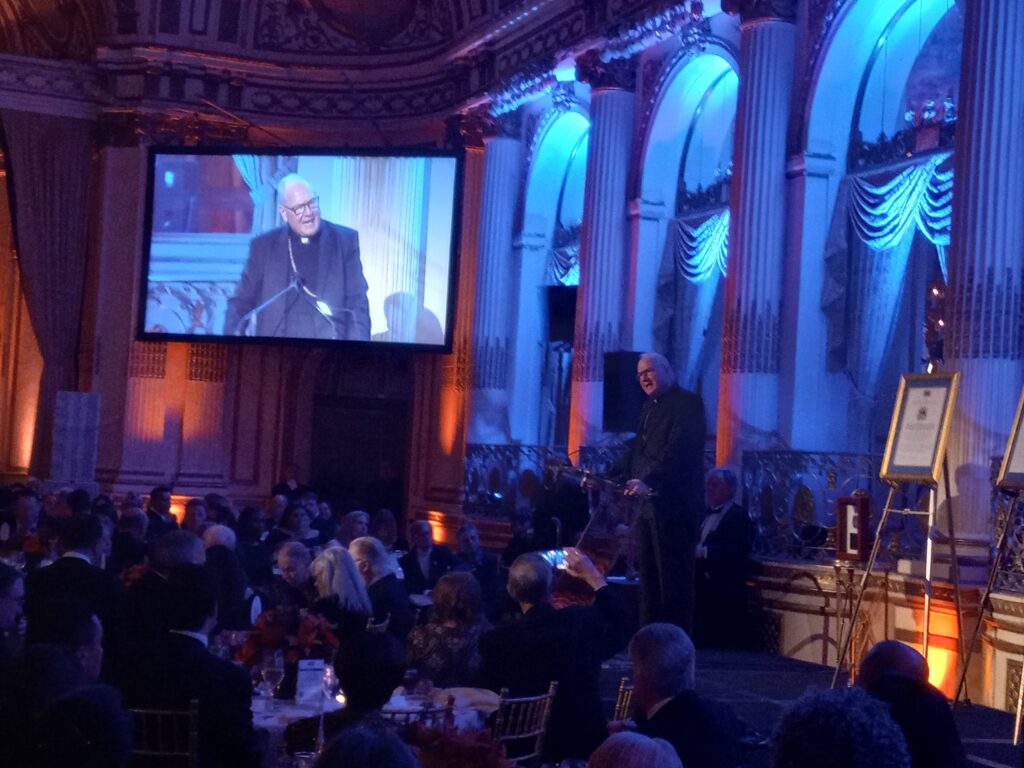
1010 481
922 475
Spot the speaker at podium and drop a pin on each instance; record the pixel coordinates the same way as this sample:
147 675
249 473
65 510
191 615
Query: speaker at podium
623 397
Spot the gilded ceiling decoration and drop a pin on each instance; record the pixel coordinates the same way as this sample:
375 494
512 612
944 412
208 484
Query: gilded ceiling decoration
68 29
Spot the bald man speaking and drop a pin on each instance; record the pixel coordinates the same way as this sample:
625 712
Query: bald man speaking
664 469
302 280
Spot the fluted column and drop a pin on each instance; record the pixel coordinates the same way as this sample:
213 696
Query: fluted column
984 303
495 284
603 253
748 415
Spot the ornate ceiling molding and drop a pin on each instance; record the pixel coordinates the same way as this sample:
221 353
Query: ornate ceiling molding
761 10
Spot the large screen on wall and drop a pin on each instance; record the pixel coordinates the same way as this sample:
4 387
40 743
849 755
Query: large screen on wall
301 246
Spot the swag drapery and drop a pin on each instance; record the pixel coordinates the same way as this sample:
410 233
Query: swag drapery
867 254
688 298
50 167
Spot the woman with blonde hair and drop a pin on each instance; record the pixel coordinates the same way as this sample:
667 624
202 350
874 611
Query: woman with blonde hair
632 750
343 601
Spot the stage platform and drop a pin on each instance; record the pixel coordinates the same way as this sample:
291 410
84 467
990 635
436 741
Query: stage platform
760 686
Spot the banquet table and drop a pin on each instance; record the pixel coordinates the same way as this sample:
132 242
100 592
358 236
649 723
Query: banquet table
471 708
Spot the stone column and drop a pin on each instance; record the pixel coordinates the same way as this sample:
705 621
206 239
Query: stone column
984 303
495 283
748 416
604 257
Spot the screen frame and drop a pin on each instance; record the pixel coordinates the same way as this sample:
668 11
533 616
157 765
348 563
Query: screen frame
454 253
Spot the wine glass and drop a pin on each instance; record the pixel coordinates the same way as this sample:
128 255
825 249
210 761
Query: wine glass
272 672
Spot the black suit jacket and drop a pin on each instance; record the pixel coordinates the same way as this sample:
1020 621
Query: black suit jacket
668 453
567 645
729 545
697 731
183 670
70 578
338 282
441 561
388 596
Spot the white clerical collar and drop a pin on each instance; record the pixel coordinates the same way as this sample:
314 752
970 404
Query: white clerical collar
78 556
194 635
657 707
304 240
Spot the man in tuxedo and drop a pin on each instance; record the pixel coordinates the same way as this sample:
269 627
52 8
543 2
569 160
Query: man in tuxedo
565 645
723 563
426 562
483 565
73 576
667 707
664 469
183 669
159 513
388 597
318 261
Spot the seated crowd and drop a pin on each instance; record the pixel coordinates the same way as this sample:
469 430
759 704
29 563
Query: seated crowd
107 607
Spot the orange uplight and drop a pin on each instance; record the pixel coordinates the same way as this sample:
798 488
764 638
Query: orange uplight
941 662
438 530
178 507
448 419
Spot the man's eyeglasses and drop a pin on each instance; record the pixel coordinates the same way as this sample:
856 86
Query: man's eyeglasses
644 372
301 210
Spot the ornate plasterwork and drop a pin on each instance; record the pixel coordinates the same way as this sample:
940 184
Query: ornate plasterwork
761 10
65 29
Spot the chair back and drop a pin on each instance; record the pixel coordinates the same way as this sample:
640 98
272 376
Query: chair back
430 715
166 737
379 627
521 723
623 700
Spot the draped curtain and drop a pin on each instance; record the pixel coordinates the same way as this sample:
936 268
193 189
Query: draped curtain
866 261
50 168
688 302
261 173
384 199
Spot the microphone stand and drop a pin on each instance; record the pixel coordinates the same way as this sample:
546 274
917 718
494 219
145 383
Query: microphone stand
255 311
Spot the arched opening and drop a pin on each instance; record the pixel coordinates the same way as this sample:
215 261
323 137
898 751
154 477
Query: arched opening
682 261
552 218
877 111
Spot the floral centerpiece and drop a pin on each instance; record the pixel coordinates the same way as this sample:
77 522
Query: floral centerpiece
449 748
296 633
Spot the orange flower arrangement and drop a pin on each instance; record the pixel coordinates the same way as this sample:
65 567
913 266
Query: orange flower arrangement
299 634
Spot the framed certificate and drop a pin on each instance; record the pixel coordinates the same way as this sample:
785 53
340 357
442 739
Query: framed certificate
1011 471
920 426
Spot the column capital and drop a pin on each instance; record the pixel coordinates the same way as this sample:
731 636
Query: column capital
468 130
761 10
618 74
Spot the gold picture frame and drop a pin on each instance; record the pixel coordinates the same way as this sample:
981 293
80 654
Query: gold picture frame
1011 470
920 426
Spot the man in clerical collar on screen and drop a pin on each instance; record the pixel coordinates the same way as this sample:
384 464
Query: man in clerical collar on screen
304 280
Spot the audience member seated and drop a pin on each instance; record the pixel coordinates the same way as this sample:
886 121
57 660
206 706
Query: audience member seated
426 561
632 750
384 528
483 565
33 544
447 649
723 564
143 620
291 488
12 604
73 577
294 587
275 510
523 539
367 746
252 551
159 514
567 645
324 521
354 525
219 510
128 548
343 600
898 675
294 522
194 518
37 677
74 628
667 707
388 597
183 669
841 728
87 728
229 576
369 669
